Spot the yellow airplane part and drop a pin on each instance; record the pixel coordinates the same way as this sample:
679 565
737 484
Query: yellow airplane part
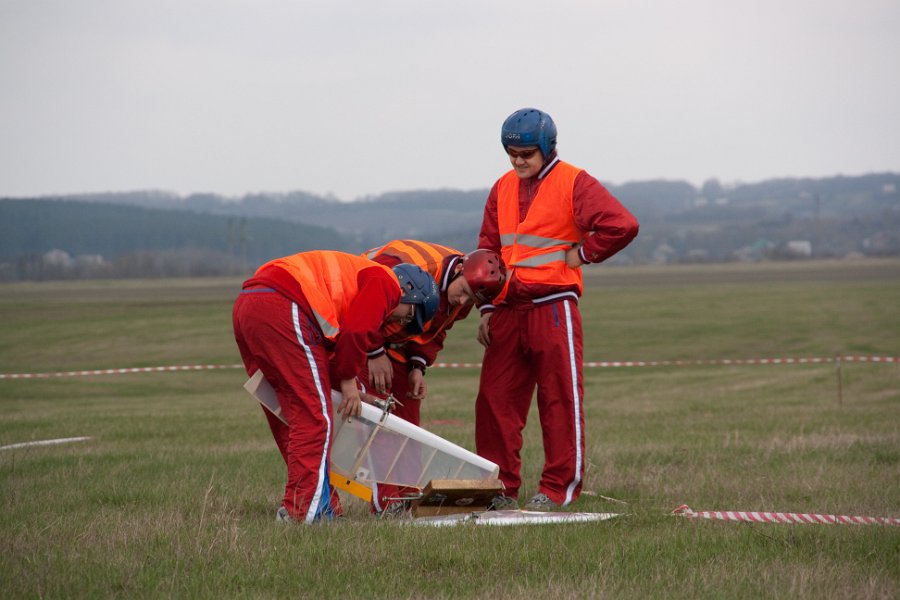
351 487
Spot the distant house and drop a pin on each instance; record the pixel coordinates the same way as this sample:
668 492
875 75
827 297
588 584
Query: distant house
800 247
663 254
57 259
755 251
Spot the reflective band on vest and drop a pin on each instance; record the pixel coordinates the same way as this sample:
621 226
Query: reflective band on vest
329 282
532 240
430 257
535 248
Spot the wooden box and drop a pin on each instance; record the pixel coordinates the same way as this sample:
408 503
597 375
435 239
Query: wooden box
454 496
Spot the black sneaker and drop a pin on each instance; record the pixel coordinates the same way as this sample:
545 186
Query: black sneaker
541 502
501 502
394 510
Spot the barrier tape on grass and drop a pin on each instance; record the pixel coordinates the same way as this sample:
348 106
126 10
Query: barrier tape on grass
778 517
723 361
467 365
117 371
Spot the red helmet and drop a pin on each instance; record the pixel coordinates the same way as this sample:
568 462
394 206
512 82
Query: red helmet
485 273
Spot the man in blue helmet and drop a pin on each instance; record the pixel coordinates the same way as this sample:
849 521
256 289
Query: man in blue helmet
546 218
305 321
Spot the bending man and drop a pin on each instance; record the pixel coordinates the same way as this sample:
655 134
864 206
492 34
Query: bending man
398 362
304 320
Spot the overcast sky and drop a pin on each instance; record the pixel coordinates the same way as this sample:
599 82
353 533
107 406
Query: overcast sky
356 98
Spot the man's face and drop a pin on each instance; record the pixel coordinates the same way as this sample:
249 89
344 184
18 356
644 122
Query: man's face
459 293
526 160
404 313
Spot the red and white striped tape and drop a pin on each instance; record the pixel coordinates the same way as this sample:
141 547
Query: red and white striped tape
778 517
117 371
746 361
468 365
723 361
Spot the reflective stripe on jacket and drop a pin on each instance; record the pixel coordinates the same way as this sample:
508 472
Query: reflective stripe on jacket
329 282
535 248
430 257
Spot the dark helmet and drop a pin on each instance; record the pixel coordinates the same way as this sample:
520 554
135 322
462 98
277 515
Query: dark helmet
485 273
529 127
418 288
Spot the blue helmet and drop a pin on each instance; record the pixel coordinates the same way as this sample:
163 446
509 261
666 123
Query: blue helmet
418 288
529 127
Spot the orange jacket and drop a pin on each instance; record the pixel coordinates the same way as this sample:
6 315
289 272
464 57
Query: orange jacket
427 255
535 249
329 281
433 259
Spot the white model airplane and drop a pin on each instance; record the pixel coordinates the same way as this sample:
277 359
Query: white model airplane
378 447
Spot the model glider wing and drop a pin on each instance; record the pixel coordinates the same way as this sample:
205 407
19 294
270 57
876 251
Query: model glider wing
378 447
382 448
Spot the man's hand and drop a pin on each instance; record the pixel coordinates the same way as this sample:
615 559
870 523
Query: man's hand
418 389
351 403
484 336
381 374
573 257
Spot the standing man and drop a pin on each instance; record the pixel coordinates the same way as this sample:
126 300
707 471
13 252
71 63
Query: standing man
304 319
546 218
397 363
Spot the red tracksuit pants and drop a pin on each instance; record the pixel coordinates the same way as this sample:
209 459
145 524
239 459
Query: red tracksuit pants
283 340
535 346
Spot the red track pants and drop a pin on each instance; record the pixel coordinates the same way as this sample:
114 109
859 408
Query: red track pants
534 346
280 338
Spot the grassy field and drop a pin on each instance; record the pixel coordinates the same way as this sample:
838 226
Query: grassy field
175 493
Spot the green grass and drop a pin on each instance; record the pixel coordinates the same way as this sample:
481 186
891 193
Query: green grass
174 495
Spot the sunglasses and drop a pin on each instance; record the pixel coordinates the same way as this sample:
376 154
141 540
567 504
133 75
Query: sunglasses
523 154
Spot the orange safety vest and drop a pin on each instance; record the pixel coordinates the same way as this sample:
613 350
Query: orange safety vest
329 282
430 258
535 248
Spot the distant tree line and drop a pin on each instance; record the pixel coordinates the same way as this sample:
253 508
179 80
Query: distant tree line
58 264
159 234
56 239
